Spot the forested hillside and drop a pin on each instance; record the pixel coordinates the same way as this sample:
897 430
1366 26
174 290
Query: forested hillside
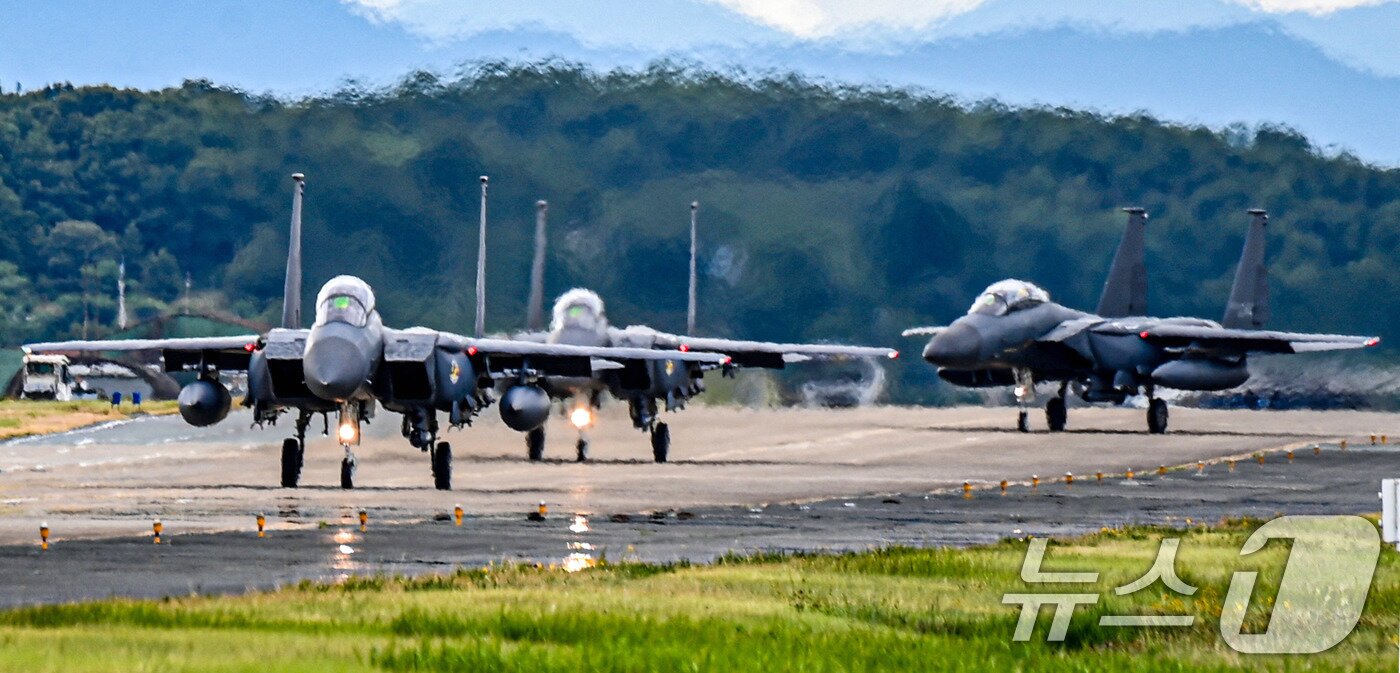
826 213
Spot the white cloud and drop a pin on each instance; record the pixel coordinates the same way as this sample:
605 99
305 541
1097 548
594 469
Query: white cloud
809 19
677 23
1314 7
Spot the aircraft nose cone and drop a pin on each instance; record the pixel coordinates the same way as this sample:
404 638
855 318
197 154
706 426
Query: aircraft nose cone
335 366
960 344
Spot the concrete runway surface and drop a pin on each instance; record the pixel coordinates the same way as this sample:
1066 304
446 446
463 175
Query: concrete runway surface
739 480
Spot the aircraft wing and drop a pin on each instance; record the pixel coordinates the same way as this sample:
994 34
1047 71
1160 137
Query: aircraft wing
227 353
506 356
771 355
1200 337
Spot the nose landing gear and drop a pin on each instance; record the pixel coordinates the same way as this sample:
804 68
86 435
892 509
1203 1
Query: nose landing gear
347 469
1025 395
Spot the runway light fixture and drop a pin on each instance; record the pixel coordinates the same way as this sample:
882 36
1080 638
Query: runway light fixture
581 417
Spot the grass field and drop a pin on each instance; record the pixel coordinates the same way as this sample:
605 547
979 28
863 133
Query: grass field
898 610
20 418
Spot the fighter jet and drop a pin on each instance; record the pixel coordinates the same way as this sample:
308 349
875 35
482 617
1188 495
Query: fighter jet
1014 335
349 361
579 319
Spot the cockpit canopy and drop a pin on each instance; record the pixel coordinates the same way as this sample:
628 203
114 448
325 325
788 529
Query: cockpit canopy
1008 296
344 299
578 308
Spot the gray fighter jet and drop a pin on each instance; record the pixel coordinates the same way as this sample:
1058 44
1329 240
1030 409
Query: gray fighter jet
1014 335
579 319
349 362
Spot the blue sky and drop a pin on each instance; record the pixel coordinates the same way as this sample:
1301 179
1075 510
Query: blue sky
1313 64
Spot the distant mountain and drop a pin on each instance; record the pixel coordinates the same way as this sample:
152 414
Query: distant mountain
1334 76
1255 73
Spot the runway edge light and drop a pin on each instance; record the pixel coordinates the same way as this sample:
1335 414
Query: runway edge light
1390 529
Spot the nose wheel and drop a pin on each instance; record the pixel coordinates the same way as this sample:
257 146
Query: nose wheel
442 466
347 469
581 450
660 442
534 444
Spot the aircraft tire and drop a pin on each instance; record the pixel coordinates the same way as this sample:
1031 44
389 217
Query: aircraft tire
660 442
291 462
347 473
1056 415
1023 421
534 444
581 450
442 467
1157 416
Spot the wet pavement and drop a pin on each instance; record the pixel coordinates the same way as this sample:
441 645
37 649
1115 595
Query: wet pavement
331 547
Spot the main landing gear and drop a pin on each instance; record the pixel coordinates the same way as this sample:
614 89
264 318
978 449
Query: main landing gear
420 427
1156 416
534 444
1056 411
442 466
660 442
294 452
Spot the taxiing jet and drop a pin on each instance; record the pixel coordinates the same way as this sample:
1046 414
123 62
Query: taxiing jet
349 362
1014 335
579 319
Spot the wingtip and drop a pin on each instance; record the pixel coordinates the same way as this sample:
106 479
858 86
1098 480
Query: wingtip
1373 341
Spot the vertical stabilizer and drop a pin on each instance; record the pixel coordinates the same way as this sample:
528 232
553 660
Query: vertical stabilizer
1249 297
480 328
690 305
291 291
534 315
1125 290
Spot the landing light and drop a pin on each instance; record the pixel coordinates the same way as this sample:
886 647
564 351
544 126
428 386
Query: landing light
581 417
348 433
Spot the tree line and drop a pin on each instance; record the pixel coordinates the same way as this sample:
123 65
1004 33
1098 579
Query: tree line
828 212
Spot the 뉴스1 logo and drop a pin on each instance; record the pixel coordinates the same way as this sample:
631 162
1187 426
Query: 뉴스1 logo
1319 600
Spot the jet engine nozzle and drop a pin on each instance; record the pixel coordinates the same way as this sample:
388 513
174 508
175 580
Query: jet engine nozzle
958 345
204 402
337 361
525 407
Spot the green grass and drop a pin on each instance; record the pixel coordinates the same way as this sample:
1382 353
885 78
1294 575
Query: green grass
19 418
894 609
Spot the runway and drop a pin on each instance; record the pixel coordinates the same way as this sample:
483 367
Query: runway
740 480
